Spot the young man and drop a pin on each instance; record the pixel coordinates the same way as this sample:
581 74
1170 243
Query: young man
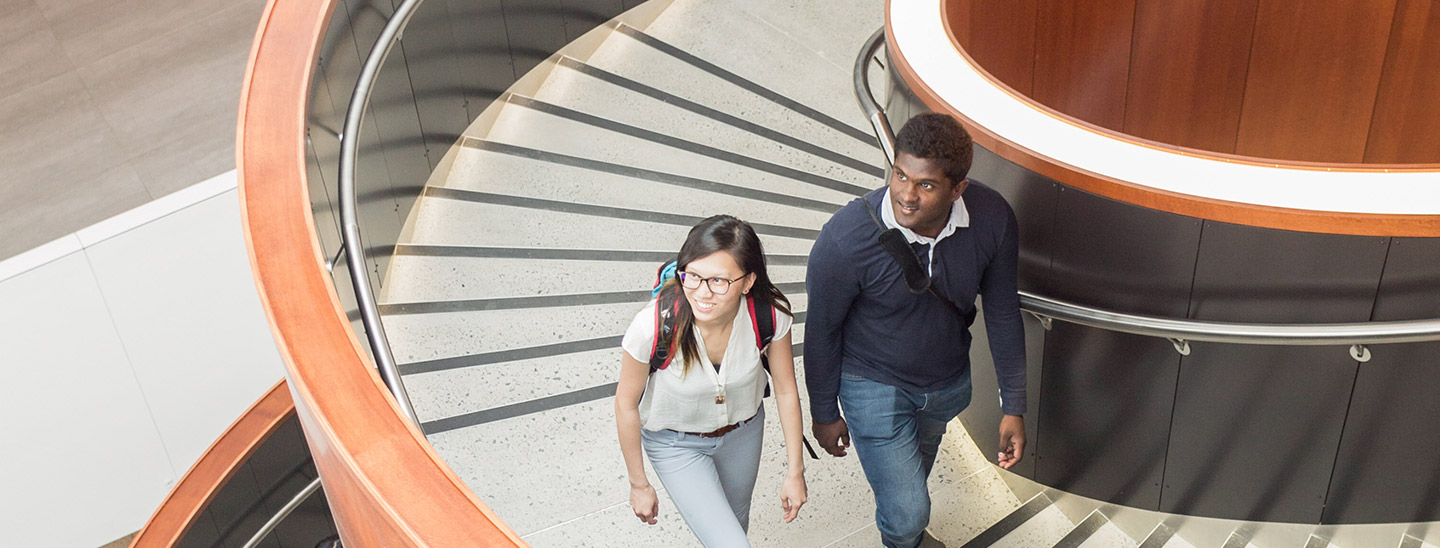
898 362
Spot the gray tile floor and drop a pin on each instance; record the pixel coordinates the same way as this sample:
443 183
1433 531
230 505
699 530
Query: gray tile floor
107 105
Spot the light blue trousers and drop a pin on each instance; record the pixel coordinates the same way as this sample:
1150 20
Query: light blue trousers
710 480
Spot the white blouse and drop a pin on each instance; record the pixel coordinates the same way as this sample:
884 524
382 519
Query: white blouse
701 400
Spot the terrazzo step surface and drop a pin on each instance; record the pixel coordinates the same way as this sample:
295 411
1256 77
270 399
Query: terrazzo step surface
1044 529
526 264
756 45
623 100
531 128
653 67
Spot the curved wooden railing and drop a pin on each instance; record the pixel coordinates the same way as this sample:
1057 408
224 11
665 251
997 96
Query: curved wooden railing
194 492
385 485
1138 193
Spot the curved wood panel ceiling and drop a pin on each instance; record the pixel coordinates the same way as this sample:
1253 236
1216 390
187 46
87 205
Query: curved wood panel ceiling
385 484
1324 81
1338 198
1406 123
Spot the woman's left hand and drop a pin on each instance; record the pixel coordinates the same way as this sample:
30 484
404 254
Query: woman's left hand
792 496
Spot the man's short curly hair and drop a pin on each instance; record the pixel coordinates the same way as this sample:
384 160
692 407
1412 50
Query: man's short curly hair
941 139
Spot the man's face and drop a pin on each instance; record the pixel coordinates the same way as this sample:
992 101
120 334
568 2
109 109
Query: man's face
922 195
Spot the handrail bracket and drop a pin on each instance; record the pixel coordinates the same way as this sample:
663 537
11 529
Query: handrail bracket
1046 322
1181 345
1360 352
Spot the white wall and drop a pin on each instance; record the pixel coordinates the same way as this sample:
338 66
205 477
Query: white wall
127 348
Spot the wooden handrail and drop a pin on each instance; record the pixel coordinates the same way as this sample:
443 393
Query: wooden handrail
385 484
194 492
1361 224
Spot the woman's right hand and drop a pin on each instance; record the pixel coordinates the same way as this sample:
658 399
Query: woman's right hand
645 503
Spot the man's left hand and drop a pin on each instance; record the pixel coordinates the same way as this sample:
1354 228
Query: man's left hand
1012 440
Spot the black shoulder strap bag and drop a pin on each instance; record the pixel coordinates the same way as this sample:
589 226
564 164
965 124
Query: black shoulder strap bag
917 280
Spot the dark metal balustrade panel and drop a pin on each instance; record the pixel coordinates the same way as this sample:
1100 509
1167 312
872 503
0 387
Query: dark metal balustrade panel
1255 431
1385 470
435 77
322 167
293 469
982 418
1104 420
583 15
482 49
1256 428
278 469
900 104
1248 274
341 60
324 119
1410 286
1033 198
1122 257
392 132
536 29
1107 397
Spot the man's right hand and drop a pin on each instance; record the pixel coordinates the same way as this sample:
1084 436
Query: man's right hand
834 437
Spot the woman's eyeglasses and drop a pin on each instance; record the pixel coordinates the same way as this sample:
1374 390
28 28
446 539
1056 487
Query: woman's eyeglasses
718 286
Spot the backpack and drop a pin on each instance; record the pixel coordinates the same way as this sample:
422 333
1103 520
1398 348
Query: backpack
762 318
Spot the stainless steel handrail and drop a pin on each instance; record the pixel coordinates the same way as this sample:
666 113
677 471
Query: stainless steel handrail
1241 333
876 115
1179 331
350 228
284 512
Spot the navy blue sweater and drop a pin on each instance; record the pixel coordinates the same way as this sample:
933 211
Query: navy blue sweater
862 320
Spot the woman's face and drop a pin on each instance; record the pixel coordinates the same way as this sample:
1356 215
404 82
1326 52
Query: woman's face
705 300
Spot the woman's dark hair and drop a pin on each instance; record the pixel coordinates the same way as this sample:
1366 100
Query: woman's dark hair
733 236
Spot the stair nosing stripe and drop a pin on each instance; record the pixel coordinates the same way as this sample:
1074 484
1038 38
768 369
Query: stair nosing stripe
1010 522
529 407
1158 536
565 254
650 175
686 145
532 301
747 84
1083 531
1236 540
540 351
519 409
510 355
604 211
720 116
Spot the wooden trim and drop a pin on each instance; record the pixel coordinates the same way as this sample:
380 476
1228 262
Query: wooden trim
1172 202
385 484
215 468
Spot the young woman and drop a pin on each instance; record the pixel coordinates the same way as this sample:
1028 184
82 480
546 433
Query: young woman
700 418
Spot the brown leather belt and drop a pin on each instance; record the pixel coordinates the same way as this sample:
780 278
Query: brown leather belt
723 429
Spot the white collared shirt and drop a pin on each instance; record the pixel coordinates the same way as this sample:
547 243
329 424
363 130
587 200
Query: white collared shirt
959 218
687 402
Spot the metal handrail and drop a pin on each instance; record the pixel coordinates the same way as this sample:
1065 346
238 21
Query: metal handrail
350 228
284 512
878 122
1241 333
1178 331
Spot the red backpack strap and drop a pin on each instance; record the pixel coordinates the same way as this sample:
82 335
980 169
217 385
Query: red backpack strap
762 318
